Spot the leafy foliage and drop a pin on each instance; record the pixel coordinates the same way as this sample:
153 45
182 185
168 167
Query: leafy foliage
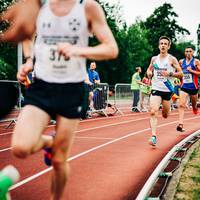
137 43
180 49
7 72
8 53
163 22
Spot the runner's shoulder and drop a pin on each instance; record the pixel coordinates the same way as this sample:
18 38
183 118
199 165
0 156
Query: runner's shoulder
153 58
171 57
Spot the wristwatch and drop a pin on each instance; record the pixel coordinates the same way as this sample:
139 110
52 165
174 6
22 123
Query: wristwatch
171 74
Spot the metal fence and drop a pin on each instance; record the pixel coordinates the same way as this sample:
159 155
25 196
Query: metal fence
100 99
123 96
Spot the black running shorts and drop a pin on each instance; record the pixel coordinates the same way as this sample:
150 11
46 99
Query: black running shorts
189 91
164 95
69 100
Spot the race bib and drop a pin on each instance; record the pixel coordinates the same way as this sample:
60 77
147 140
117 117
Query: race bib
187 78
159 75
55 64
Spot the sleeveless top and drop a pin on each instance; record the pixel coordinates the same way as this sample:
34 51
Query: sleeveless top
189 81
159 82
51 30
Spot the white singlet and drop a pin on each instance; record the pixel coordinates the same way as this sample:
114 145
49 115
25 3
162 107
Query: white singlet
158 79
51 30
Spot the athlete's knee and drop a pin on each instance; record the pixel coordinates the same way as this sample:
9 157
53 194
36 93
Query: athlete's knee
153 111
165 114
58 163
21 151
182 105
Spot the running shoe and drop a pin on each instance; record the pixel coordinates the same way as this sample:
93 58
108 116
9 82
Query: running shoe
48 153
135 110
48 156
153 140
195 110
180 128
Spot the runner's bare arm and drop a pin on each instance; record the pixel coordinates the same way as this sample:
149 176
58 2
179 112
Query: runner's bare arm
28 65
177 66
107 49
22 17
150 68
197 65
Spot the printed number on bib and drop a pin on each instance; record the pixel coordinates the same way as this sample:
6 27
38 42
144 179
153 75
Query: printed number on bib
187 78
54 55
160 77
54 64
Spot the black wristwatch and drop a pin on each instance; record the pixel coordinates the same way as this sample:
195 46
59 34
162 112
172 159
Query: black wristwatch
171 74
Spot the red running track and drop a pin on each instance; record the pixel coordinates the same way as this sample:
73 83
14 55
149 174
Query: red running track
110 160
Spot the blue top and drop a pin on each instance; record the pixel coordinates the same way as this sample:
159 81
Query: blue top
190 81
93 75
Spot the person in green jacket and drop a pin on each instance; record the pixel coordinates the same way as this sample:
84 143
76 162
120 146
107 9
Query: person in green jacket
135 87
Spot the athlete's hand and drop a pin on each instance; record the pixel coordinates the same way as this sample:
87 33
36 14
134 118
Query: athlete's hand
165 73
149 74
68 50
23 72
189 69
22 18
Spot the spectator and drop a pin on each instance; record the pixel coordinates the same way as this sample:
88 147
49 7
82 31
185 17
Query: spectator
93 77
135 86
145 92
93 74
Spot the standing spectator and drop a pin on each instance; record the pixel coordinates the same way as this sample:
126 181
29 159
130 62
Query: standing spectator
93 74
93 77
145 92
135 86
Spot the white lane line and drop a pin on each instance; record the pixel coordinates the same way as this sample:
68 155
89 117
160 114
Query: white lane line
6 149
99 127
105 126
96 138
92 138
116 124
89 151
96 119
8 133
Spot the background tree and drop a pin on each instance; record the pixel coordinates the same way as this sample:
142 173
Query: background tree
163 22
8 53
131 42
137 43
179 52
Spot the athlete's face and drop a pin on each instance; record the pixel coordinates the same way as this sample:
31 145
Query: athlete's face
189 53
164 45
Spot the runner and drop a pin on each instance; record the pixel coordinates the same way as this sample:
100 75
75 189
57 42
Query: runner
61 49
189 86
162 69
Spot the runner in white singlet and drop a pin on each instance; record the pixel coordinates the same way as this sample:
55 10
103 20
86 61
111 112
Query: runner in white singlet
162 69
60 50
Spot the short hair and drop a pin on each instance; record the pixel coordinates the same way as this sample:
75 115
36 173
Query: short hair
137 69
93 63
165 38
190 47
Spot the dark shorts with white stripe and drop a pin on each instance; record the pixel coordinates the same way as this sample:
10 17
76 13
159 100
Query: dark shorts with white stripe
164 95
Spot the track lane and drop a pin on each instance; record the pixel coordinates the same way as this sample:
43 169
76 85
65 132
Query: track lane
82 163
